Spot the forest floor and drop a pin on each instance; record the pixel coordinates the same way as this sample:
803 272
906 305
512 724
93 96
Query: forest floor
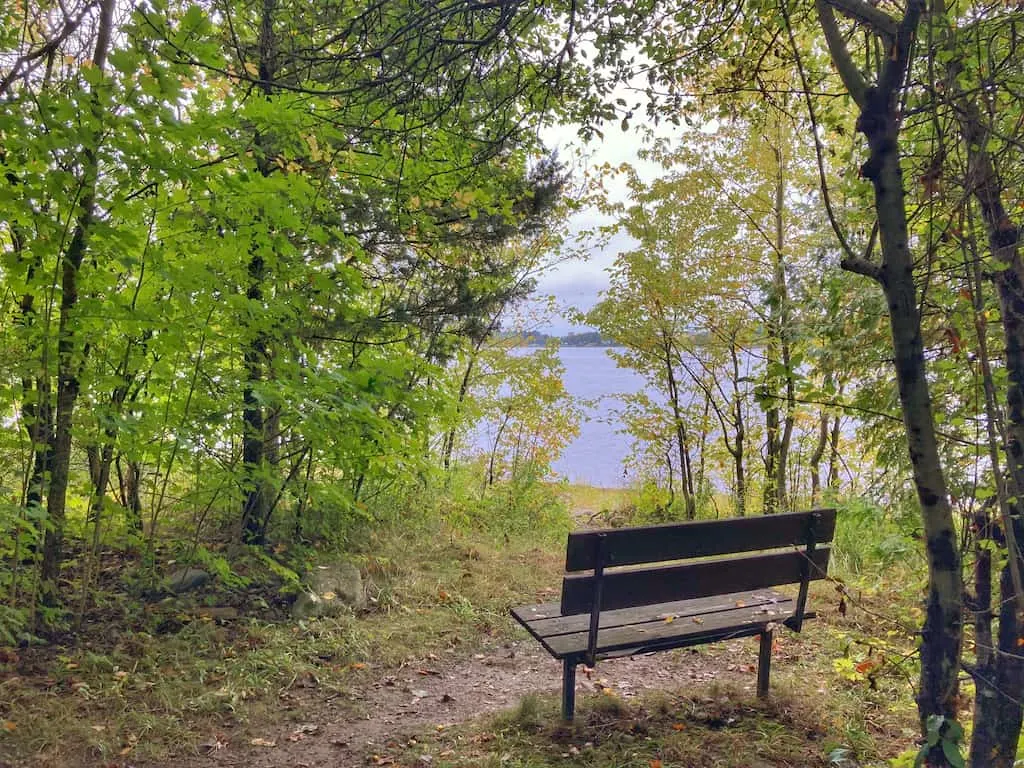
438 675
379 720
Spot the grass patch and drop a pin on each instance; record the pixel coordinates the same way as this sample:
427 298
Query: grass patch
148 681
717 726
165 678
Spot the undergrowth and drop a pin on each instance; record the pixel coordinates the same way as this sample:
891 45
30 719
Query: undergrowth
148 679
154 676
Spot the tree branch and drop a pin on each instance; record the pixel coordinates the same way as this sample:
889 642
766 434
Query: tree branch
862 267
880 22
844 64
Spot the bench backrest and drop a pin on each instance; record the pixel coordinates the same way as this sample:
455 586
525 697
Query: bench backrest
628 567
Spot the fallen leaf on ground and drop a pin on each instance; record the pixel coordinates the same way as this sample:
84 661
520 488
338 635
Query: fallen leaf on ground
303 730
212 745
698 620
678 726
10 725
258 742
669 619
867 666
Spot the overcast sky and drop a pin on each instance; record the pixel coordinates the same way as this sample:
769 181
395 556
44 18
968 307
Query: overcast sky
577 284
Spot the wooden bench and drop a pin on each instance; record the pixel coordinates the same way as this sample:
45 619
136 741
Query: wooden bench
625 591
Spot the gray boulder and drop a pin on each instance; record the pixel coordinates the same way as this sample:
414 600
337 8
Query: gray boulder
330 590
185 580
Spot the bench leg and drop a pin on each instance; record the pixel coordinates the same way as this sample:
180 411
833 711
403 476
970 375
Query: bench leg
568 689
764 664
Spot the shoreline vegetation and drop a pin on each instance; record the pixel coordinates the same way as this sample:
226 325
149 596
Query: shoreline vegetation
584 339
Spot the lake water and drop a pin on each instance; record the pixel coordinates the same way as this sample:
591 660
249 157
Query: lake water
595 457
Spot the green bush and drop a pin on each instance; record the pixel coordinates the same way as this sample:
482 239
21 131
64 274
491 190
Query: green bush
870 538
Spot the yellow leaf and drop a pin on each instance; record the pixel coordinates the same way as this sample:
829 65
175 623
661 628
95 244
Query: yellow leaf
10 725
258 742
328 595
669 619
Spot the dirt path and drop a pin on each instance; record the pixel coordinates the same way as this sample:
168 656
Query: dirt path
434 693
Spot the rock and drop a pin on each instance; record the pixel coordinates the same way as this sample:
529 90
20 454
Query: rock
330 590
185 580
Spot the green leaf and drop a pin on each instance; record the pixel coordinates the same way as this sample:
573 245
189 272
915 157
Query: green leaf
952 753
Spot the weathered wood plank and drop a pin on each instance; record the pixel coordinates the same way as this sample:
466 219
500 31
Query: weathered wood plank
739 622
547 626
528 613
663 584
701 538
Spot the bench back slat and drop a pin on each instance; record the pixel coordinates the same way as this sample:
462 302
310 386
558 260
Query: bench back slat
701 538
662 584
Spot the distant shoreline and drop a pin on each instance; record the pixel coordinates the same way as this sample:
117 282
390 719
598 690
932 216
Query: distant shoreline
586 339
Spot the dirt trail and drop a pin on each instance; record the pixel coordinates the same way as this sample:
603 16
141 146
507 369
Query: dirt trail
433 693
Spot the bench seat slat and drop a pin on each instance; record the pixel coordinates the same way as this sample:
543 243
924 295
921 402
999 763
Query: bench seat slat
545 621
692 630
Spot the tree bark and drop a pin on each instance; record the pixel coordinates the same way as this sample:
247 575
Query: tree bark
879 122
816 456
682 441
256 504
68 353
739 434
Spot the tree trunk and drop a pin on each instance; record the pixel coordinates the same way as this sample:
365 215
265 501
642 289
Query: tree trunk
942 631
816 456
129 482
68 353
779 416
256 505
682 443
879 121
449 438
1000 683
739 434
833 452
